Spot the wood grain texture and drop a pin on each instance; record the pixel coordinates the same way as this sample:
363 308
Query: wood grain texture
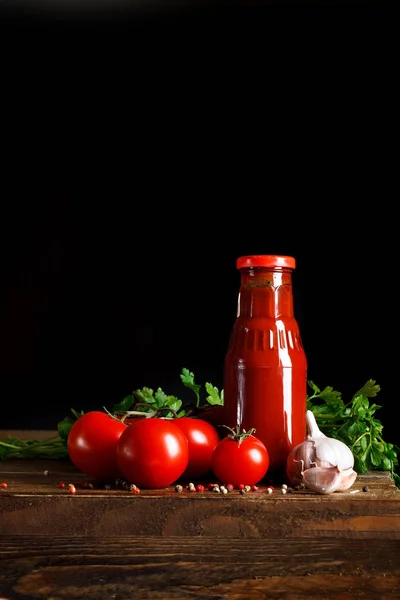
27 434
161 545
63 568
34 504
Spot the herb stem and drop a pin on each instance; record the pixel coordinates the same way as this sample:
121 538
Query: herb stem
9 445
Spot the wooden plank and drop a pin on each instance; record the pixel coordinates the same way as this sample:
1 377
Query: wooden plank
33 503
27 476
161 545
36 567
27 434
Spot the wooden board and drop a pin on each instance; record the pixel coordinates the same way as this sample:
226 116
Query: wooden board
161 545
198 568
33 503
27 434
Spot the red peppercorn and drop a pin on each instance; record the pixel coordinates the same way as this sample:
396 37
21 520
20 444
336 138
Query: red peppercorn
71 489
254 488
241 486
135 490
4 485
61 485
199 488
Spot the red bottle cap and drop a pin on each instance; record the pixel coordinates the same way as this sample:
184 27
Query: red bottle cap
265 260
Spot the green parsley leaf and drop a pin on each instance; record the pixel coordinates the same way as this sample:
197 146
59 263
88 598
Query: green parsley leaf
187 378
214 395
354 424
124 405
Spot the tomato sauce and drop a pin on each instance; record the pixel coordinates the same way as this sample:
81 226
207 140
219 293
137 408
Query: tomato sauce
265 370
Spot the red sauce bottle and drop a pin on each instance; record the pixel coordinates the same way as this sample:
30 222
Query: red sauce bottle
265 370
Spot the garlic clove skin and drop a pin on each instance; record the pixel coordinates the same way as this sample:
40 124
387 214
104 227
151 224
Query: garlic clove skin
313 430
323 480
323 464
333 453
299 460
346 480
329 452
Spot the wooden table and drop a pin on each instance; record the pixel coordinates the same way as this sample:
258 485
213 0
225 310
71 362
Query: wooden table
162 545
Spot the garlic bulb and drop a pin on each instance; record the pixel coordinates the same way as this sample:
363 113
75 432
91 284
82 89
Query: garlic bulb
323 464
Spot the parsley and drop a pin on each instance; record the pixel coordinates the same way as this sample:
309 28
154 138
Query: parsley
355 424
52 447
187 378
214 396
146 400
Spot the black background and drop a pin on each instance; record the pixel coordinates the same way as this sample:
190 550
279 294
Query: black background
144 153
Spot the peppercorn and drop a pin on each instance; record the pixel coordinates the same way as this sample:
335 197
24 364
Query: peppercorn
247 488
178 488
365 488
4 485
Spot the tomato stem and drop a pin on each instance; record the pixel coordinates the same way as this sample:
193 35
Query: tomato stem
239 434
168 409
138 413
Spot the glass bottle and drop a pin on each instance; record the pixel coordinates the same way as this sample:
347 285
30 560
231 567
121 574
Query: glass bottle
265 368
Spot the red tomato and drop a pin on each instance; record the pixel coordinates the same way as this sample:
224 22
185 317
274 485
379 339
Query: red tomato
152 453
92 443
246 462
202 438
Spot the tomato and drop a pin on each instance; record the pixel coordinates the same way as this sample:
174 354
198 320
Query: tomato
152 453
238 462
92 443
202 438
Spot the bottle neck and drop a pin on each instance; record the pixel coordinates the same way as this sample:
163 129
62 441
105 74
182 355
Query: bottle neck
265 293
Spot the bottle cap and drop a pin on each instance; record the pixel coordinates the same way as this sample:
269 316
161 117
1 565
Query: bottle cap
266 260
